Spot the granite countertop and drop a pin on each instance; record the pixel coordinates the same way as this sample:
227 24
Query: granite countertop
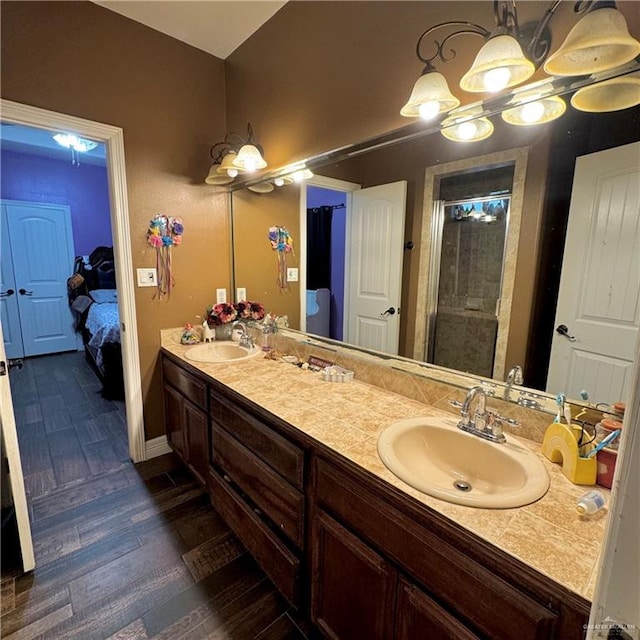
547 535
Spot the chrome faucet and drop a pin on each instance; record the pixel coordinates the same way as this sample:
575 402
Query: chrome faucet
485 424
246 340
513 377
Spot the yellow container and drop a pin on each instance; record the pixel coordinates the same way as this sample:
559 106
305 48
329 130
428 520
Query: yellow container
560 445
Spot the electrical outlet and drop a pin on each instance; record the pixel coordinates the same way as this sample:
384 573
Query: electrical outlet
221 296
292 274
241 294
147 277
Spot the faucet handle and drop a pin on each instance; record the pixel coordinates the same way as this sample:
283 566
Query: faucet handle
495 416
456 403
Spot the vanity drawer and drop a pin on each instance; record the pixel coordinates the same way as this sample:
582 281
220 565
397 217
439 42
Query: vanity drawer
278 452
484 601
276 498
188 385
277 561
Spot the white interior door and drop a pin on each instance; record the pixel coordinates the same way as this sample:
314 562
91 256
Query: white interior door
9 314
8 425
375 250
599 298
41 241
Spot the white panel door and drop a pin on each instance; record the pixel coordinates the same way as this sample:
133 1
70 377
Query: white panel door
599 298
376 230
9 315
41 242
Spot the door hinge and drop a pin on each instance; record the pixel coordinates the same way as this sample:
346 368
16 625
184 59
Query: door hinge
3 368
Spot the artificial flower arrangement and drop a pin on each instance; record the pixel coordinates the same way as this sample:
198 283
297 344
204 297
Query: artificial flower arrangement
163 233
223 313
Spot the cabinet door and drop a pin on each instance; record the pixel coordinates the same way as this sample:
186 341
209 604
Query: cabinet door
419 617
353 588
195 422
174 421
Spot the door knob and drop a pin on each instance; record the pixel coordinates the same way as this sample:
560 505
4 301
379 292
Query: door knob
564 331
6 294
389 312
24 292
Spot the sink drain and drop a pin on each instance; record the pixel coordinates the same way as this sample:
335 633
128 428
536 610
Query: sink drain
461 485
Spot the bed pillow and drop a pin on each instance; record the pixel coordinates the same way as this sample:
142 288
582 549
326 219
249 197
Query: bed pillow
104 295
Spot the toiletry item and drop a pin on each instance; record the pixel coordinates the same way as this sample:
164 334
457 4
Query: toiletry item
189 335
605 428
607 459
590 502
605 443
560 405
567 413
560 444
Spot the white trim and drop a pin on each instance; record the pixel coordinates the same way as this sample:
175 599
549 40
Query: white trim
325 183
156 447
16 478
114 140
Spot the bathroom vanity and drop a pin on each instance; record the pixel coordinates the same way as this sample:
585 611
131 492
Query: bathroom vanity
290 463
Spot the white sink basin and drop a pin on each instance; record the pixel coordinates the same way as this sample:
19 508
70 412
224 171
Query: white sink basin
220 352
434 456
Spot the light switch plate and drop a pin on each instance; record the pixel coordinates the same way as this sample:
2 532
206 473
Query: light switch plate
147 277
221 296
241 294
292 274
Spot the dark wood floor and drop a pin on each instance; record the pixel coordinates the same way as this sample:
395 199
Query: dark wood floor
123 551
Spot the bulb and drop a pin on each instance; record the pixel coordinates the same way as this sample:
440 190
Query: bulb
232 173
532 112
467 130
298 176
278 182
429 110
250 164
496 79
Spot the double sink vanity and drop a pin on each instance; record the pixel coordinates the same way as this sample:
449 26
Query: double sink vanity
372 511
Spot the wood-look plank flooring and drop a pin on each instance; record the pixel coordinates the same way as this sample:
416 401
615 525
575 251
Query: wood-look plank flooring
123 551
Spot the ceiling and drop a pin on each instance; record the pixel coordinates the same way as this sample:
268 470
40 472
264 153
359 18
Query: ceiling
215 26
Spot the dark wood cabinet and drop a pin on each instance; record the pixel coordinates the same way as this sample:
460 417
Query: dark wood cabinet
187 423
353 587
418 617
362 558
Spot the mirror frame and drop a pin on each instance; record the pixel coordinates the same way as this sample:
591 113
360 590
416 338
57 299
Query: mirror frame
489 107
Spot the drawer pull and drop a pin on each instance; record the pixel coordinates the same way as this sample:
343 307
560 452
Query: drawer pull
257 511
227 478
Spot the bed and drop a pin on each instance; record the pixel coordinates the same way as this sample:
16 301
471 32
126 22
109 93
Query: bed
94 301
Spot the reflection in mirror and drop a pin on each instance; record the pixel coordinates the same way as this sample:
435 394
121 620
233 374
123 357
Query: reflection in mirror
534 256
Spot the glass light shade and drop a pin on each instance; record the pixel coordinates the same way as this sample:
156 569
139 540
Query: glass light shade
499 64
281 181
430 97
71 141
535 111
466 126
301 174
262 187
227 166
598 42
611 95
214 177
249 158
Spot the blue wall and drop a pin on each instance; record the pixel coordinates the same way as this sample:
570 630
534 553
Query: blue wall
83 188
318 197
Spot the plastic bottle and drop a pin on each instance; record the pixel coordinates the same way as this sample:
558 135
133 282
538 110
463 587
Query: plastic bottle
590 502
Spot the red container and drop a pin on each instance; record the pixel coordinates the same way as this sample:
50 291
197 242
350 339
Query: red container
606 466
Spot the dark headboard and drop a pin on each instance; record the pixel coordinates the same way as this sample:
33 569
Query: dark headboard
100 272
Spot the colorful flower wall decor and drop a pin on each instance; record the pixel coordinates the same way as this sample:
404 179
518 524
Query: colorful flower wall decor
282 243
164 232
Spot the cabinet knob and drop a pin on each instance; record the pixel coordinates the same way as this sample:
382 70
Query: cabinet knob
226 478
257 511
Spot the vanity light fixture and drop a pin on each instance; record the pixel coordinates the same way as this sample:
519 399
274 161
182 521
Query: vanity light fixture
234 155
611 95
76 144
466 125
600 41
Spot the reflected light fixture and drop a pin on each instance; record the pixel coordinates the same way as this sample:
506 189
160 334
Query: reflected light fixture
234 155
599 42
75 144
466 125
616 94
534 106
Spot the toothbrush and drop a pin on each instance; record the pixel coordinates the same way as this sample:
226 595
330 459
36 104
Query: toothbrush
603 443
567 413
560 403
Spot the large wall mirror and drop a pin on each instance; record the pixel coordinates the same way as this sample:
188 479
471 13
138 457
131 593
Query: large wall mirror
452 253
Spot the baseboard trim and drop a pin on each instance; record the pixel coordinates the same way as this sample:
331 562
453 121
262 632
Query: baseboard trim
156 447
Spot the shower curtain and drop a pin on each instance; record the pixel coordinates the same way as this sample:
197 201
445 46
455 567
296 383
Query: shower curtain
319 247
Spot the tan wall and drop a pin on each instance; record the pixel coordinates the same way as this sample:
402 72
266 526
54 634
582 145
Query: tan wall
80 59
320 75
256 265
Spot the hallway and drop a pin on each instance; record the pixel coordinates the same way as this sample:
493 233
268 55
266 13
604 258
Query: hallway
122 551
